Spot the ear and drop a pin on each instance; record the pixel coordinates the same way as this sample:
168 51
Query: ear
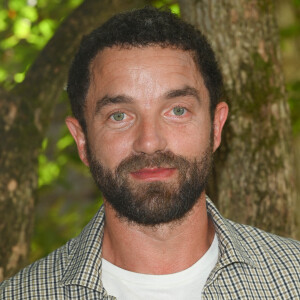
79 137
220 118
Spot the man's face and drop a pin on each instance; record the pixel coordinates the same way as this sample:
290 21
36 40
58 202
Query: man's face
149 133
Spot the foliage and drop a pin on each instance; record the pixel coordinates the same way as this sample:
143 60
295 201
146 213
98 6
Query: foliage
25 28
171 4
288 16
62 223
294 101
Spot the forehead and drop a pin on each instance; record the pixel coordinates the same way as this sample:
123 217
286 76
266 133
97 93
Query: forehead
118 58
143 72
142 51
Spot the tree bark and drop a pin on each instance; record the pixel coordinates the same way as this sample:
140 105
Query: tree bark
25 112
253 177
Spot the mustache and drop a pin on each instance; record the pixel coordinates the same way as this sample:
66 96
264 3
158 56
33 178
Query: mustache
165 159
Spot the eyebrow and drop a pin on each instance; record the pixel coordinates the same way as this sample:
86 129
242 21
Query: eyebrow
186 91
107 100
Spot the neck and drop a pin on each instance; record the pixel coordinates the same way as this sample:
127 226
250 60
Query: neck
165 249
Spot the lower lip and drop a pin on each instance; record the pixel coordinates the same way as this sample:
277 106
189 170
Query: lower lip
153 174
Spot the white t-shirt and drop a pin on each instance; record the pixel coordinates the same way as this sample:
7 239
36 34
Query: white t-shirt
187 284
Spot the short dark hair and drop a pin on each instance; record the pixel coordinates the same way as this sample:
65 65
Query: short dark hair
141 28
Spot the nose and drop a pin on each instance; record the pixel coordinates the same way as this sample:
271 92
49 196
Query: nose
149 138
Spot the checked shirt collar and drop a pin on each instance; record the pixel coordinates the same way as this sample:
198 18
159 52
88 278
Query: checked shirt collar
83 266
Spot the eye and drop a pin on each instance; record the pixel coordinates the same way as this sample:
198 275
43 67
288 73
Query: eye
179 111
118 116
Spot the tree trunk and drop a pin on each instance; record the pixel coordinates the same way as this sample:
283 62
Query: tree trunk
25 113
253 178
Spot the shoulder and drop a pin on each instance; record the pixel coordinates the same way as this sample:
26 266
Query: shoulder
254 262
249 242
274 255
257 241
44 274
71 269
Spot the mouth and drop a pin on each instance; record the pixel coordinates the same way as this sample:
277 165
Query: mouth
153 174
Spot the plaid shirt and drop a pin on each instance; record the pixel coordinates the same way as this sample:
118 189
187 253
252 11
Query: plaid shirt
252 264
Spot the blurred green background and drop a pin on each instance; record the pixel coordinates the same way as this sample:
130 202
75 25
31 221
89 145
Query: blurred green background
67 197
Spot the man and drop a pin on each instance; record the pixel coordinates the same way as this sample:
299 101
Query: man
145 93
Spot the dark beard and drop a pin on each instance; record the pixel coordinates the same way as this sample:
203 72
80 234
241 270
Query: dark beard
155 202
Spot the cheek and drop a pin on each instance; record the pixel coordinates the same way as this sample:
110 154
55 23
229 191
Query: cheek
111 149
190 141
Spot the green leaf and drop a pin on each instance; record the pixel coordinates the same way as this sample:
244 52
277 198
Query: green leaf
17 4
65 141
48 170
3 74
19 77
75 3
175 9
9 42
37 40
44 143
30 13
47 28
3 20
22 28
